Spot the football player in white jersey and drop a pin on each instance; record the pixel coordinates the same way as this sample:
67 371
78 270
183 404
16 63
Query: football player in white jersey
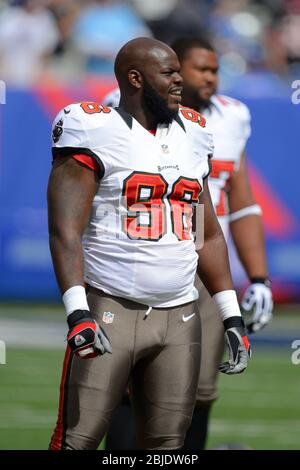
238 214
120 198
237 211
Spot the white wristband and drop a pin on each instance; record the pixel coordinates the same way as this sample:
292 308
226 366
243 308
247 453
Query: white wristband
255 209
227 304
75 299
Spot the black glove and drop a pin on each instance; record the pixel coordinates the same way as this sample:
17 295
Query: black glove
238 346
86 338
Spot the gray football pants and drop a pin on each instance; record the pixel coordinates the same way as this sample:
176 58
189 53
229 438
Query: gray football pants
158 354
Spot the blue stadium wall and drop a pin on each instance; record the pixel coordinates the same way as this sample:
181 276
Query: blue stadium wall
25 162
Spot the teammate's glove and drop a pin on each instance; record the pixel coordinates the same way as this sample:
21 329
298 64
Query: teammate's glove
86 338
258 297
238 346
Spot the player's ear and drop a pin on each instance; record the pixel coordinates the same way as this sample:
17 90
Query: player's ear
135 78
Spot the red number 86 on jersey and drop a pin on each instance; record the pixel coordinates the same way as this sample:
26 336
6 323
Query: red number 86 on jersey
146 201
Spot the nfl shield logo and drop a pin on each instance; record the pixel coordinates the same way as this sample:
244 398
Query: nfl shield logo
108 317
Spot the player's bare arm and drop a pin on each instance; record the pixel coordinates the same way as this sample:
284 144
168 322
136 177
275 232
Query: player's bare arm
215 274
247 232
214 271
71 190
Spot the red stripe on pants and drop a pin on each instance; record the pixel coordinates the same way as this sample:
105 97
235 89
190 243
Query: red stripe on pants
57 436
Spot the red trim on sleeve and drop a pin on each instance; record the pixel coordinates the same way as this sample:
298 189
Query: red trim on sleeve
152 131
223 100
88 161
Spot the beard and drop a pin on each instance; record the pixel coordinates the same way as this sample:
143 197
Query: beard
151 101
195 101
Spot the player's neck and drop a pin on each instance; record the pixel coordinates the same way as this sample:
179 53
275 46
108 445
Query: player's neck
145 118
192 102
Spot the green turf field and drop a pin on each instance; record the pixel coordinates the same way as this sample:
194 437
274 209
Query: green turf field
260 408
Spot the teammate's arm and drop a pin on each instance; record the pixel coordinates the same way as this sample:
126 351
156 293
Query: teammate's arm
214 271
248 236
71 190
247 231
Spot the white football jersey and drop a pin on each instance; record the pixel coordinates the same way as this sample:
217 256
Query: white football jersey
138 243
229 122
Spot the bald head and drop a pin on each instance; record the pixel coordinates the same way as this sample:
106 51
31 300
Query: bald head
139 54
147 71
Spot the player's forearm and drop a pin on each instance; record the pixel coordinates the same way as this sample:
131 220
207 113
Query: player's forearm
67 257
213 265
248 237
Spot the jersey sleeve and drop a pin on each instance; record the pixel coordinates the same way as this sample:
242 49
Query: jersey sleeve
244 123
238 116
70 137
201 136
209 152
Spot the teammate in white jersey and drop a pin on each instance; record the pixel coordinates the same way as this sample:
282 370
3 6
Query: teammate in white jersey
229 121
121 197
237 212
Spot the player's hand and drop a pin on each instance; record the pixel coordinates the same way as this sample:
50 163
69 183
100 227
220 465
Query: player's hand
238 346
258 298
86 338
